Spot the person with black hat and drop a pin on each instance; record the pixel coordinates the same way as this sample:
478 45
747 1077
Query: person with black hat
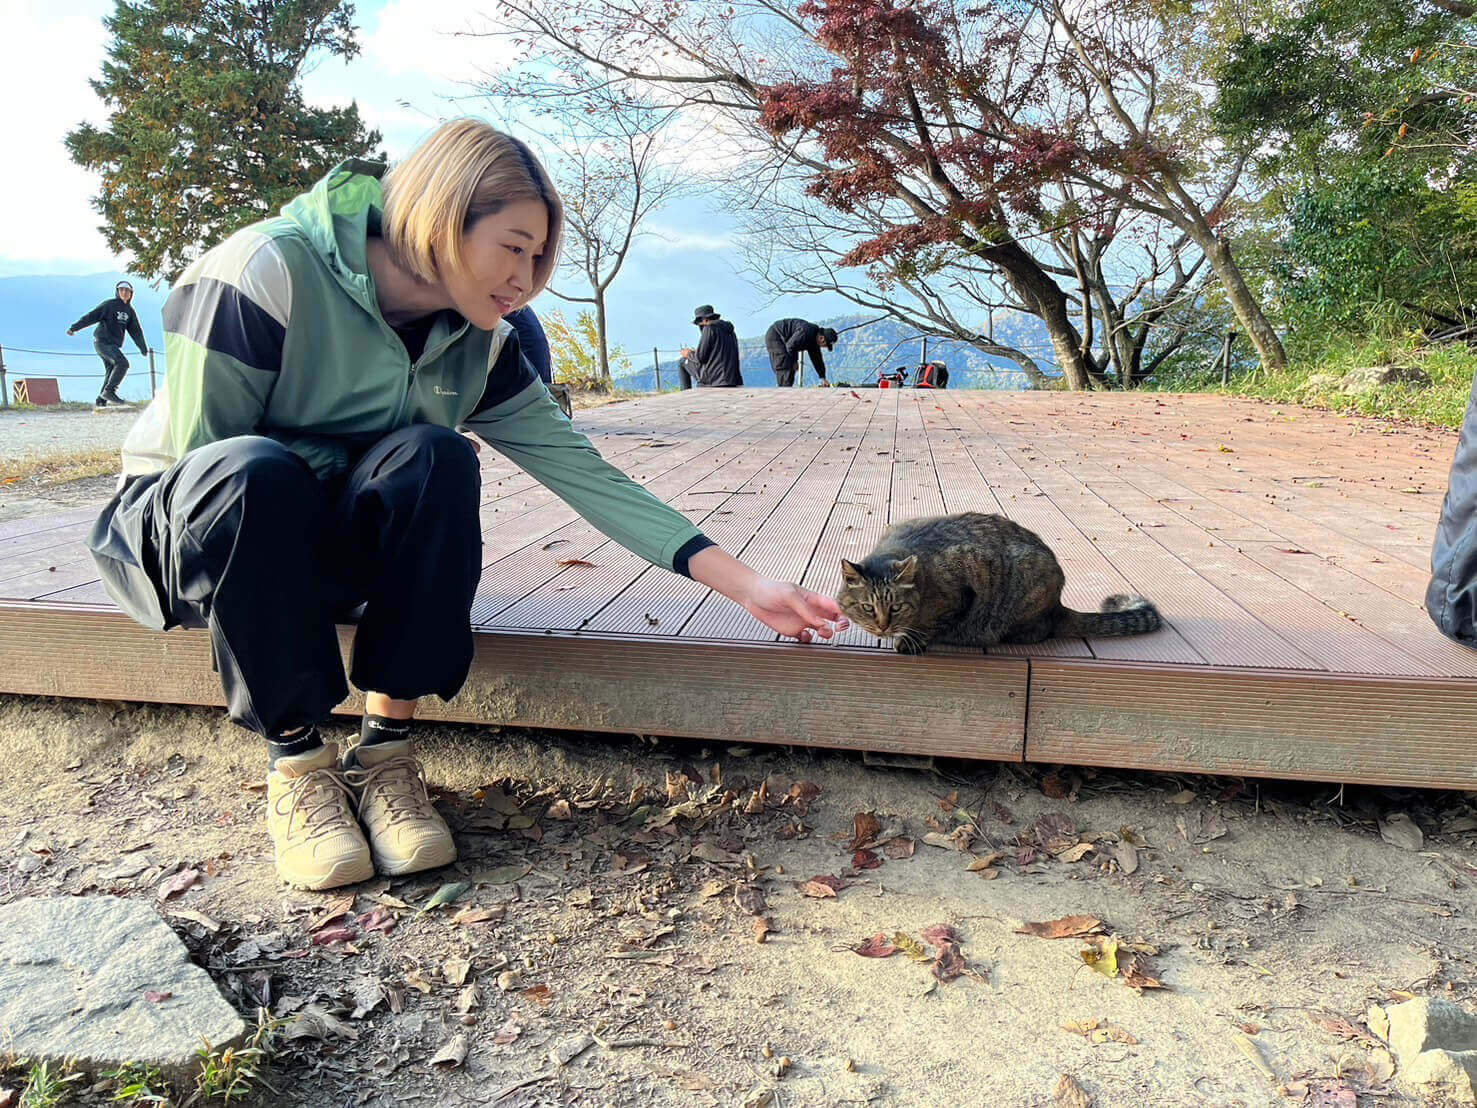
715 363
787 339
114 319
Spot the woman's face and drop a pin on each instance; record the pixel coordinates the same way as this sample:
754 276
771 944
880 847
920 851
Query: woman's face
499 250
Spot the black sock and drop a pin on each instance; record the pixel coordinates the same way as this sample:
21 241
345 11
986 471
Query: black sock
382 729
287 746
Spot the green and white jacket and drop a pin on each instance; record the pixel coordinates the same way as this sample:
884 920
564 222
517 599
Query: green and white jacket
277 332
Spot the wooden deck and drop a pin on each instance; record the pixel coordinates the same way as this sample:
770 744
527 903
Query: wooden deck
1287 549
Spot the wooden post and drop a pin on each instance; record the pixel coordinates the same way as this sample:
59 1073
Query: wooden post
4 388
656 364
1226 357
153 383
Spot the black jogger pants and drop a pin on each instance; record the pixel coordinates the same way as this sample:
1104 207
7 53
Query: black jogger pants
115 364
241 537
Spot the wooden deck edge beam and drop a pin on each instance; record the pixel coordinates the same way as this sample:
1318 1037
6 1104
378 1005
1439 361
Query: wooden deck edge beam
1297 725
949 705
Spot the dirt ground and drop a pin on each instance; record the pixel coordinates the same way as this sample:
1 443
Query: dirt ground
612 883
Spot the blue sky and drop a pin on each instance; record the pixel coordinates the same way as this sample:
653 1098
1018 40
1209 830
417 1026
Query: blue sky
412 72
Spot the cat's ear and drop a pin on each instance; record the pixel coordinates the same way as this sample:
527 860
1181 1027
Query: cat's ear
851 573
905 571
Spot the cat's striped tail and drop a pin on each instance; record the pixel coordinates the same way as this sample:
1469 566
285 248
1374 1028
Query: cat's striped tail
1120 615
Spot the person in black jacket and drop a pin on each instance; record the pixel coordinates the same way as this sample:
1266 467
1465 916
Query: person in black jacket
114 318
787 339
715 363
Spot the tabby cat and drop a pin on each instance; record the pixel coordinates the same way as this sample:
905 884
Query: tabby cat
973 580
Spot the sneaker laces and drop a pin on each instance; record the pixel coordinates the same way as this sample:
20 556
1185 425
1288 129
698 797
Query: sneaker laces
402 789
320 794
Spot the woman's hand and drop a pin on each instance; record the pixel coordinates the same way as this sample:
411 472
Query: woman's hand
792 611
781 606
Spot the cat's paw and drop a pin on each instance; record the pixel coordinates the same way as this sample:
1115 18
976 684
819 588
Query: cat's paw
908 644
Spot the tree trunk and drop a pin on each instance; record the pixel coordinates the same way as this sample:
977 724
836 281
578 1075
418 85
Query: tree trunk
1243 301
602 352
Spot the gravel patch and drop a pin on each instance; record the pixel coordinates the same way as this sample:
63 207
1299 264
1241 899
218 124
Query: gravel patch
36 434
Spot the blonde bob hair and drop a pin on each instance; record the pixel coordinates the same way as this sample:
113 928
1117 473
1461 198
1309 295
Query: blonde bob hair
465 169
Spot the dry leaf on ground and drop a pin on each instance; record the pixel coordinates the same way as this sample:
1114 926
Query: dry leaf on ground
1069 1094
822 886
900 847
939 934
1398 829
452 1054
1068 927
865 827
875 947
950 962
750 898
910 946
865 859
762 927
184 879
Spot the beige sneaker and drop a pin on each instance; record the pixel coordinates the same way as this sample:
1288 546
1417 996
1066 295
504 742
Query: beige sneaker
406 833
310 813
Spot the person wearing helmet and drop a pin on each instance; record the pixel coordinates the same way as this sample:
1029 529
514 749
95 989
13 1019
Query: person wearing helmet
787 339
114 318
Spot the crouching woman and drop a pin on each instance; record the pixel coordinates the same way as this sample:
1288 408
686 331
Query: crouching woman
304 460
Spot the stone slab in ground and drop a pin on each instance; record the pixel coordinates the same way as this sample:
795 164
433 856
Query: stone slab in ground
102 981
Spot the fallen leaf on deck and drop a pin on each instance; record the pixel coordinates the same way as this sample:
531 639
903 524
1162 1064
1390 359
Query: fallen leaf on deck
875 947
184 879
574 562
865 859
556 542
452 1055
1068 927
449 893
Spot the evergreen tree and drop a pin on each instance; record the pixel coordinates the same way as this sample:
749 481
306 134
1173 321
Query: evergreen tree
208 130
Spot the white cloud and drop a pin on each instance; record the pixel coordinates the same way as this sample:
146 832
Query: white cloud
661 239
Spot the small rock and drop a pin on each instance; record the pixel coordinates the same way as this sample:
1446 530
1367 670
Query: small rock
1430 1023
75 975
509 980
1457 1069
1373 377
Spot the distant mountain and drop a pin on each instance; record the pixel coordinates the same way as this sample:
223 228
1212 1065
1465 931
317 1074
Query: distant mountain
863 348
35 312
